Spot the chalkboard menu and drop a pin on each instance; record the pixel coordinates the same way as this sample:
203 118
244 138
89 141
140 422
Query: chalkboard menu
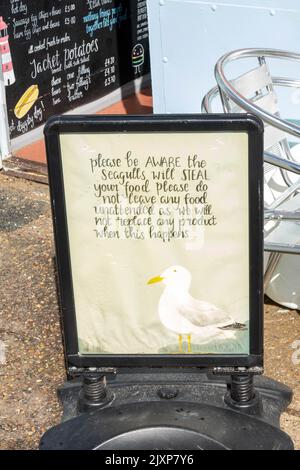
60 54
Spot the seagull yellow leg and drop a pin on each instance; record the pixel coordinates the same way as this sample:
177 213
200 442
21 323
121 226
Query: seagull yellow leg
189 343
180 343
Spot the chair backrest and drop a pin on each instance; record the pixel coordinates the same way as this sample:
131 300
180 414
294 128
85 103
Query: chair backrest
257 86
254 91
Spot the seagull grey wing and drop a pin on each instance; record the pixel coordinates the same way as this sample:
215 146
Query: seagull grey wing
201 313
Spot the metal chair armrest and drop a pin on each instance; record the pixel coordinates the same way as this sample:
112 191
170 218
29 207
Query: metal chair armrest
286 82
243 102
270 214
282 163
206 105
290 249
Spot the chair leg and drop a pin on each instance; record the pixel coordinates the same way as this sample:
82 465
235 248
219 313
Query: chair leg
271 266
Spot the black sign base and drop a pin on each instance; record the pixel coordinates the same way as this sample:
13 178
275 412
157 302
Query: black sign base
167 410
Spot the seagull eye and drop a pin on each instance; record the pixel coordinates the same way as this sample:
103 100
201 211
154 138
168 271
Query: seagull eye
174 270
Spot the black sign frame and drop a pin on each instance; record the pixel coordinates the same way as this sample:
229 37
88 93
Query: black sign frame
159 123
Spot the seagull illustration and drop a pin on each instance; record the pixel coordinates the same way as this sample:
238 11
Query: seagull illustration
183 314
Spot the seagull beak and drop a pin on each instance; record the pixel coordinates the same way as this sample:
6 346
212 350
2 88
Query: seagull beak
155 279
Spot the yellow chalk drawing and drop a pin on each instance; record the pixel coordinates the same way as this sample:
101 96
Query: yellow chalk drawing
26 101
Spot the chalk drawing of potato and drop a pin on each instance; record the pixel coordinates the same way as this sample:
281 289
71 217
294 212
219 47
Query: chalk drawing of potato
26 101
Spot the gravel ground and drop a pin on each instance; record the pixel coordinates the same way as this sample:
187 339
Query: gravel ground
30 327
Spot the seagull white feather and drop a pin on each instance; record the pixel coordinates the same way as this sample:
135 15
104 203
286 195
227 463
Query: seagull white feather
181 313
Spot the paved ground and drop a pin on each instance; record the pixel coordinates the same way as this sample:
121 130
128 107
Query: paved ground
30 328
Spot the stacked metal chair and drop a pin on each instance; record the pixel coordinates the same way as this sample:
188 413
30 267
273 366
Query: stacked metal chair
254 92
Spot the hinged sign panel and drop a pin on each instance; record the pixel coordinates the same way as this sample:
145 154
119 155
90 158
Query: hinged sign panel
159 238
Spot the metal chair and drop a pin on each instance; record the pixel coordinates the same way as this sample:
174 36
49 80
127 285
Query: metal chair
254 91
